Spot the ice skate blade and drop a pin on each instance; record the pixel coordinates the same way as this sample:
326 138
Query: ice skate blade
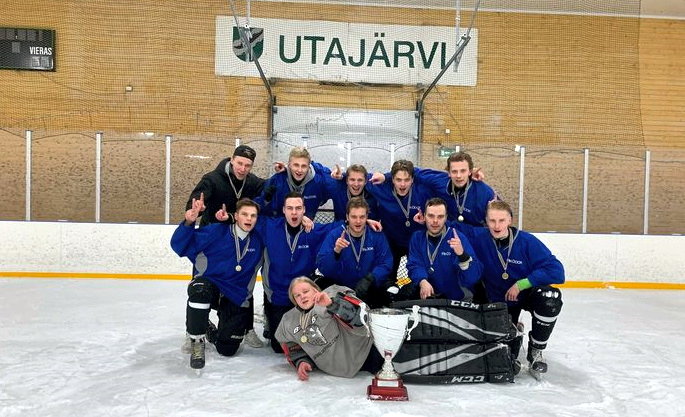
535 374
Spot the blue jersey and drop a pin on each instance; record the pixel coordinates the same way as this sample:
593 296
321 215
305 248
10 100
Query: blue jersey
315 191
287 259
447 277
212 250
529 258
397 226
374 258
472 200
338 192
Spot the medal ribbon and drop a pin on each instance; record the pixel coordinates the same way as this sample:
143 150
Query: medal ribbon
502 262
357 255
397 198
455 195
292 245
305 317
431 256
238 193
238 255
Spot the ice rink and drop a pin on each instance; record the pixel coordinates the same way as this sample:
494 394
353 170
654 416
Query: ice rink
88 347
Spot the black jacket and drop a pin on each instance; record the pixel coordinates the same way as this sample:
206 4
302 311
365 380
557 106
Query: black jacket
217 191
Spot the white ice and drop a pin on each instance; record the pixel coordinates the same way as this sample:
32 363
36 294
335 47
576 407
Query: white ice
71 347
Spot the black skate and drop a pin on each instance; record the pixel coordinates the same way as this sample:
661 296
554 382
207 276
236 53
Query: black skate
197 354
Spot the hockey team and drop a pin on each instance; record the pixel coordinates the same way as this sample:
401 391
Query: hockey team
456 234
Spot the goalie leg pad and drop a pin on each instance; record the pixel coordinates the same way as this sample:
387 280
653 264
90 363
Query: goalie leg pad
454 321
450 363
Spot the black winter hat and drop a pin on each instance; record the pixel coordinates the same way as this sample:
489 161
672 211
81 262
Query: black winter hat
245 151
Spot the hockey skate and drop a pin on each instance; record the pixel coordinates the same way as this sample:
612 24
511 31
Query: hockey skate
536 363
197 354
253 340
212 336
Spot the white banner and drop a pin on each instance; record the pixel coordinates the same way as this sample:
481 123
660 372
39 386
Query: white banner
345 52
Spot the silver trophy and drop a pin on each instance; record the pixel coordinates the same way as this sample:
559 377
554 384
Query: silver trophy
390 327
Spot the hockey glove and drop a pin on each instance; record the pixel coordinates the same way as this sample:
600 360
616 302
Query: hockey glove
347 309
363 286
269 193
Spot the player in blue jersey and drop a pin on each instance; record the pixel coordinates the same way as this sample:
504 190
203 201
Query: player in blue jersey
309 178
519 270
356 256
467 199
441 262
352 184
399 201
290 252
226 258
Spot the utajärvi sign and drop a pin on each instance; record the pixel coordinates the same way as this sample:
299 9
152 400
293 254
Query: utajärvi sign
344 52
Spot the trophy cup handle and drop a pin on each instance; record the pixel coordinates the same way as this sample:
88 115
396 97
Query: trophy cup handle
415 318
364 317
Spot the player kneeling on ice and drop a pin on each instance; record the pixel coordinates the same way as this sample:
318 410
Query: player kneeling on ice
519 270
326 330
226 257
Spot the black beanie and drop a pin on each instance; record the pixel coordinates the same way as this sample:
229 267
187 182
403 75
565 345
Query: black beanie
245 151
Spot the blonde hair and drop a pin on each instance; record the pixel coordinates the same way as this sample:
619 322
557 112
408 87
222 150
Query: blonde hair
500 205
298 280
299 152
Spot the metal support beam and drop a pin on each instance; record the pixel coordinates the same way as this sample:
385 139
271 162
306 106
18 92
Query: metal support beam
29 137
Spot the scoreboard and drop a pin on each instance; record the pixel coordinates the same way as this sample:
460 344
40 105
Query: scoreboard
27 49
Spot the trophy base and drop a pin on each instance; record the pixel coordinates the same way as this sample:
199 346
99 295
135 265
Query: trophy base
387 390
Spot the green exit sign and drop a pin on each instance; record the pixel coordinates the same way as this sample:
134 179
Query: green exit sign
445 152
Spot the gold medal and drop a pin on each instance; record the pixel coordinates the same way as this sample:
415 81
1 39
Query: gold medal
505 275
303 339
460 218
238 268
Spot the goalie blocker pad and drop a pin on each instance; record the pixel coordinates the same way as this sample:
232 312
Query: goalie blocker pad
451 321
452 363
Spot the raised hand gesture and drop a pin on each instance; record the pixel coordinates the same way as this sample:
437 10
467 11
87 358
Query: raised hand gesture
455 243
419 217
377 178
341 243
336 173
477 174
375 225
197 207
222 215
322 299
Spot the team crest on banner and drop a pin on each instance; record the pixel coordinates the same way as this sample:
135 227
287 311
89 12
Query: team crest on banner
343 52
256 38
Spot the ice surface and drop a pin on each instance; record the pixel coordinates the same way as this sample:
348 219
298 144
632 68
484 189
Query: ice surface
71 347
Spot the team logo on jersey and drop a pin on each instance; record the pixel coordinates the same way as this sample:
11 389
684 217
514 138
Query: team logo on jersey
246 52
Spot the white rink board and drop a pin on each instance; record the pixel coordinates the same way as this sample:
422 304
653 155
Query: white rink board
59 247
